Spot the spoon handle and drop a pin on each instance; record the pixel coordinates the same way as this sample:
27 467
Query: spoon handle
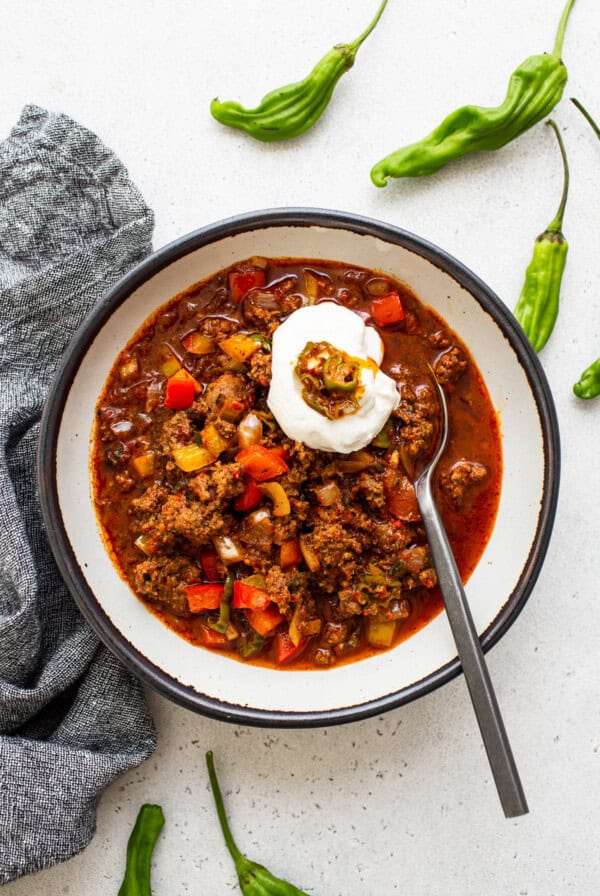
471 657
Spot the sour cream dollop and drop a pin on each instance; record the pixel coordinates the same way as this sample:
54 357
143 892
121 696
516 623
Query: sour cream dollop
347 332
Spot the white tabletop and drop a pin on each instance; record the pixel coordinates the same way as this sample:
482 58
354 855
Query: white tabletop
402 803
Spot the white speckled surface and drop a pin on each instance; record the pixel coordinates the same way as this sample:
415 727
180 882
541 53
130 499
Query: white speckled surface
404 803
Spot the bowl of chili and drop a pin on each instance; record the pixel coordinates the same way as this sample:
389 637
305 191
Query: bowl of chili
241 572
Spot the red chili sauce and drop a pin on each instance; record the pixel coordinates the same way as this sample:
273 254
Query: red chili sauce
246 542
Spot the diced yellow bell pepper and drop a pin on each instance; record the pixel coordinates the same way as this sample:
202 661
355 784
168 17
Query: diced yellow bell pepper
276 492
380 634
143 464
240 346
212 440
170 367
192 457
199 344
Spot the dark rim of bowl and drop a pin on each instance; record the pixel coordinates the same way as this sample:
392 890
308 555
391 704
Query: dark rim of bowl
52 415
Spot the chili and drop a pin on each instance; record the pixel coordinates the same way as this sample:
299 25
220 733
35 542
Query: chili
291 110
534 89
145 833
537 308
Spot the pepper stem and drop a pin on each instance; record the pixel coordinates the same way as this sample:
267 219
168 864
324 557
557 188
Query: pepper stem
560 32
556 224
587 116
353 47
236 855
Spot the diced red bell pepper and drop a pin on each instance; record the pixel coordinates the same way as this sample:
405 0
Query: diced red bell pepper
261 463
249 597
210 565
286 650
250 497
387 309
241 282
181 390
290 554
265 621
401 497
211 638
204 597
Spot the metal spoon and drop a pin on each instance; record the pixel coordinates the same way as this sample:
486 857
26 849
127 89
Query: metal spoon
469 649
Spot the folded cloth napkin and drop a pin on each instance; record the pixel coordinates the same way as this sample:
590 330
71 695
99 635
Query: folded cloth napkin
71 718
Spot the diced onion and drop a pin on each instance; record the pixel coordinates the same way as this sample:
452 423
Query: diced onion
310 557
258 516
129 369
250 430
328 494
227 549
355 462
143 543
378 287
294 631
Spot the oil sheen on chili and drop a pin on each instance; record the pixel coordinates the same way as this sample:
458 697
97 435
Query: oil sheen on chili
245 541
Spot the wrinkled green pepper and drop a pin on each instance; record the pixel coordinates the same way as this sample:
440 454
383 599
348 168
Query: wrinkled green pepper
254 879
140 847
588 385
222 623
534 89
537 308
291 110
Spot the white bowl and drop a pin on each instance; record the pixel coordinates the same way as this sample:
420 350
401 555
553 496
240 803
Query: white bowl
209 682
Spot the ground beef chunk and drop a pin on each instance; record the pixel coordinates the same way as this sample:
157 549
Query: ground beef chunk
257 542
218 326
263 307
417 567
260 368
285 528
307 617
459 478
439 340
450 366
151 500
229 387
218 485
176 431
193 520
369 487
162 580
416 409
304 463
339 545
391 537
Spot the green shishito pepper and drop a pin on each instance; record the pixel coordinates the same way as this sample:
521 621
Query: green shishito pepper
254 879
140 847
588 385
291 110
534 89
537 308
